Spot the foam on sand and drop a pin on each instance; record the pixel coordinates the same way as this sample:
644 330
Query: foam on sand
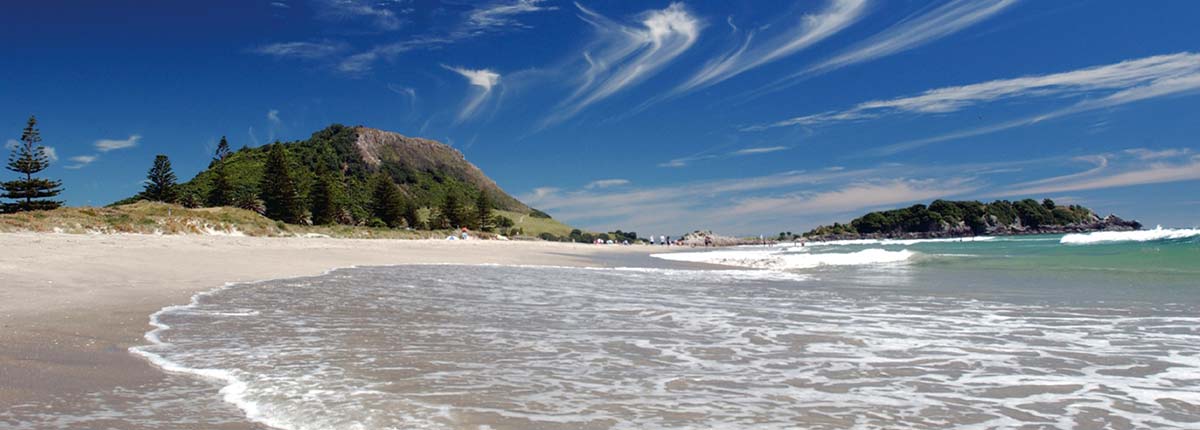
781 260
1158 233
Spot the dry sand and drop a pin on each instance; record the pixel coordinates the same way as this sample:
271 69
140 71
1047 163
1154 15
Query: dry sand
72 305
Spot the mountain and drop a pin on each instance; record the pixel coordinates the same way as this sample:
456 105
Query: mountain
426 171
944 218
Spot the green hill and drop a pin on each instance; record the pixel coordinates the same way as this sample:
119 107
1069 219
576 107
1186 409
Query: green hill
426 172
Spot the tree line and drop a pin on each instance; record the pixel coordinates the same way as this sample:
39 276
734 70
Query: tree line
943 214
279 196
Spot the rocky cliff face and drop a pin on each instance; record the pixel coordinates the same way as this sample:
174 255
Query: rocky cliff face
379 148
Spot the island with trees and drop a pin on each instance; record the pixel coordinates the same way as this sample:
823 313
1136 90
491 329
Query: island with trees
949 219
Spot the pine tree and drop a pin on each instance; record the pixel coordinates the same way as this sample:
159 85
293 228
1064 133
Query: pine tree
278 189
27 159
387 204
452 215
483 212
222 151
325 198
221 192
161 182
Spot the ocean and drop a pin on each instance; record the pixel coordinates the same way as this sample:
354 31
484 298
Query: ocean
1079 331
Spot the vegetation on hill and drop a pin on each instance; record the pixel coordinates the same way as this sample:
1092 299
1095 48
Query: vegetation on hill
959 218
353 176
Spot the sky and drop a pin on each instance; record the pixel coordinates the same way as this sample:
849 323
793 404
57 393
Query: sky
745 117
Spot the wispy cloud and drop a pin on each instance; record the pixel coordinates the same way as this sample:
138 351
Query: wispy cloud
625 55
1123 169
483 80
606 183
301 50
280 5
51 153
408 92
1184 84
1158 71
485 19
371 13
81 161
909 33
742 205
708 155
856 196
502 14
755 51
12 144
106 145
273 116
760 150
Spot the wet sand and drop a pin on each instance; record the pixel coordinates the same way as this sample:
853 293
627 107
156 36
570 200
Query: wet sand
72 305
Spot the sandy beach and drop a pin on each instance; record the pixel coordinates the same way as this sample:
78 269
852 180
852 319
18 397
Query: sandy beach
72 305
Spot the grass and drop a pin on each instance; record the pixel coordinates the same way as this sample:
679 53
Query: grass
534 226
161 218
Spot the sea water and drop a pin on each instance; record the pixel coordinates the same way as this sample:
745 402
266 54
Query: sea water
1077 331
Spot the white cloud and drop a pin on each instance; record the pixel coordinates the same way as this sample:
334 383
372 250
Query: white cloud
909 33
808 30
273 116
1124 169
1150 154
625 55
81 161
483 80
855 196
1130 80
301 50
760 150
51 153
105 145
501 14
486 19
372 13
280 5
12 144
606 183
685 161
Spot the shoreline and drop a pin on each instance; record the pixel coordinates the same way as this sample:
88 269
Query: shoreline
72 306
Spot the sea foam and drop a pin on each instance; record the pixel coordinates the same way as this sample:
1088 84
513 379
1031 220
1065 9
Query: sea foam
781 260
1158 233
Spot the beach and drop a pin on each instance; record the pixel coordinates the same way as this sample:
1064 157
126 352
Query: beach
72 305
184 332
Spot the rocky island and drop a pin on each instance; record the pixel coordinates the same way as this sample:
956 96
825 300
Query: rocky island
949 219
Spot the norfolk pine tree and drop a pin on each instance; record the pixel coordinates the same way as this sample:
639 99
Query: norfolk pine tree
28 158
325 198
161 182
221 193
278 189
483 211
387 204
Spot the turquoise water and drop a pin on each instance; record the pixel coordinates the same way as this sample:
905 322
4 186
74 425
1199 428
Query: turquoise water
1160 266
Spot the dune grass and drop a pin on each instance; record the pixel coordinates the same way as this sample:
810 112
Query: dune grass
161 218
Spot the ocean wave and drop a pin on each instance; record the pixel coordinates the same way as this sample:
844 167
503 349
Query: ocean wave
900 242
1158 233
778 260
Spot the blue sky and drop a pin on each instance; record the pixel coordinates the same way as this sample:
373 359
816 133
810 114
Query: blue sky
742 116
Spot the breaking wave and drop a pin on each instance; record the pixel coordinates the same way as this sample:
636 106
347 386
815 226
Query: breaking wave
781 260
1158 233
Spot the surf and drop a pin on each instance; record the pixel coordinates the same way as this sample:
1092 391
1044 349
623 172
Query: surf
1157 234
